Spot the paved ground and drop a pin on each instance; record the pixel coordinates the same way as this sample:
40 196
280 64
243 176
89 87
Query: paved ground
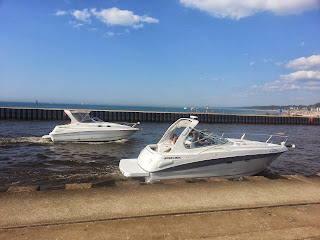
256 208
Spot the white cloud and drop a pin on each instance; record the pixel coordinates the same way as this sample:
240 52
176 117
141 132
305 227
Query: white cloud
308 76
313 83
83 15
75 24
279 64
275 86
110 34
110 16
236 9
266 60
312 88
251 64
60 13
304 63
115 16
309 80
245 94
137 26
301 76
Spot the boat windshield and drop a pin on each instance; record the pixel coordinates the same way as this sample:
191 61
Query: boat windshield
202 138
85 118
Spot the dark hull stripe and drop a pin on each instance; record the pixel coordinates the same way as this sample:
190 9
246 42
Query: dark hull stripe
211 162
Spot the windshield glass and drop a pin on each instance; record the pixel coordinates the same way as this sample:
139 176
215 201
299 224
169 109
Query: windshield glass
85 118
80 116
201 138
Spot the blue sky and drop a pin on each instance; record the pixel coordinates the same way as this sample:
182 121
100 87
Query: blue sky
164 52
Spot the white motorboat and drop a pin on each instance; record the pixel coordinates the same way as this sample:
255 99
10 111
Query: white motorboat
200 153
84 128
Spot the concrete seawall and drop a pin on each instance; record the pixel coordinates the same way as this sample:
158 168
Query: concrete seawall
135 116
211 208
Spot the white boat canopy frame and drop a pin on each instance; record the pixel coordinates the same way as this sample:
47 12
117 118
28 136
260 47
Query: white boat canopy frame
189 124
82 116
186 123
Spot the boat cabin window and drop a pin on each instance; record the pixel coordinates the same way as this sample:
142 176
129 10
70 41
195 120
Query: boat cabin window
95 119
203 138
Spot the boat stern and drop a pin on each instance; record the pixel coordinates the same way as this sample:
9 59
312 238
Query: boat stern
131 168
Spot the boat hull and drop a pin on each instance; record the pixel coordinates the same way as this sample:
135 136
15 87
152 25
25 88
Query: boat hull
209 168
92 136
225 170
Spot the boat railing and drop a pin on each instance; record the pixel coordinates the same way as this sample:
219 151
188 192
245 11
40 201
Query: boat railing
133 125
268 138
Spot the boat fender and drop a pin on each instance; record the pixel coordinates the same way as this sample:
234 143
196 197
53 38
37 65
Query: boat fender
165 163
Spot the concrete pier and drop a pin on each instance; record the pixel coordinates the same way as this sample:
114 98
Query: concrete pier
135 116
212 208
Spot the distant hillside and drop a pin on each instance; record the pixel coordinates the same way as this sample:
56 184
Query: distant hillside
276 107
316 105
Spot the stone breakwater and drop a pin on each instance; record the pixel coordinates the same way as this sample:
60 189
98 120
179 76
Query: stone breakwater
266 177
139 116
212 208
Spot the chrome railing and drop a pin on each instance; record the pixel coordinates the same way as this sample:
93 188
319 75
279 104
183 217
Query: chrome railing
268 138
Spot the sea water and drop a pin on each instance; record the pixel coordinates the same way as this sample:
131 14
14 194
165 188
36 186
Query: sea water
226 110
27 159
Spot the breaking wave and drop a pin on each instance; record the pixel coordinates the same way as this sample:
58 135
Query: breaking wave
24 140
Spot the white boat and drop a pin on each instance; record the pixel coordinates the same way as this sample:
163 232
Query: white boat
200 153
84 128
